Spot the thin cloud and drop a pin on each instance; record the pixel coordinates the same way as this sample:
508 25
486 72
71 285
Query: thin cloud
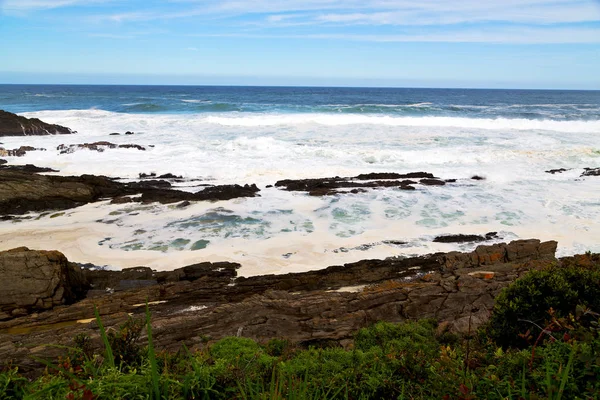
512 36
35 5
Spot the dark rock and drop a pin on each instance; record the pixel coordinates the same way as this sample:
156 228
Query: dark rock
477 178
556 171
432 182
465 238
2 161
96 146
183 204
22 191
591 172
27 168
132 146
114 134
15 125
129 133
170 176
331 186
393 175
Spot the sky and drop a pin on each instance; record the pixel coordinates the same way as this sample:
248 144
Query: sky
427 43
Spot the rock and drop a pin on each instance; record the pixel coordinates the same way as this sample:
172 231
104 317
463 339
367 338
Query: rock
15 125
2 161
591 172
22 191
152 175
393 175
28 168
96 146
20 152
331 186
114 134
556 171
129 133
209 300
432 182
477 178
132 146
38 280
465 238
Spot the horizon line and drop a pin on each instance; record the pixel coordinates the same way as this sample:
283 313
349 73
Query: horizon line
297 86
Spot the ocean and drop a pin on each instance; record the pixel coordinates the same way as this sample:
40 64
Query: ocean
226 135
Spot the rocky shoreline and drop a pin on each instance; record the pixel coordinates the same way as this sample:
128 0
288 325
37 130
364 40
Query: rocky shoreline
50 299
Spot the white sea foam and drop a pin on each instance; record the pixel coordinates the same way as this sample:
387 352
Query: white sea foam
517 198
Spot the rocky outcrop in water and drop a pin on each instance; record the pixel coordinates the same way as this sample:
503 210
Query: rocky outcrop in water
460 238
20 152
356 184
208 301
96 146
591 172
22 190
15 125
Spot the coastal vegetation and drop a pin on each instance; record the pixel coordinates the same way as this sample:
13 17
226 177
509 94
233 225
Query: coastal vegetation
542 342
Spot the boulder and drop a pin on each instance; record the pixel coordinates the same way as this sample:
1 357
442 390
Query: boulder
15 125
37 281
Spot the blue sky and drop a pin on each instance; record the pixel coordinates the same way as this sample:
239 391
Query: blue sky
430 43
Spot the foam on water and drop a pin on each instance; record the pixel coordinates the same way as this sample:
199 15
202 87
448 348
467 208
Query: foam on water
282 231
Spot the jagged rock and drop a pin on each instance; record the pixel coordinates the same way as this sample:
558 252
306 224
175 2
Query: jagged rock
2 161
591 172
22 191
37 281
15 125
556 171
27 168
20 152
331 186
393 175
96 146
465 238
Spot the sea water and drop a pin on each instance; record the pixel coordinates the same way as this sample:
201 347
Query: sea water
226 135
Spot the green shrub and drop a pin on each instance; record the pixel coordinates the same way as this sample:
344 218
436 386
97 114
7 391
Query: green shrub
124 342
525 304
